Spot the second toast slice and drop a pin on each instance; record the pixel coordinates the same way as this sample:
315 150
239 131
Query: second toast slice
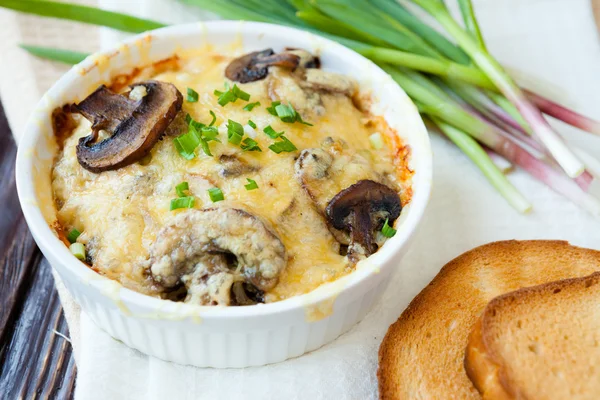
541 342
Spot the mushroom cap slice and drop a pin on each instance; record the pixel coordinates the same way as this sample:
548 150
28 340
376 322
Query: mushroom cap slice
362 209
255 66
135 125
192 235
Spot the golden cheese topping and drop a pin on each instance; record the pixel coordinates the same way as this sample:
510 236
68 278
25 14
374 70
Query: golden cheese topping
120 213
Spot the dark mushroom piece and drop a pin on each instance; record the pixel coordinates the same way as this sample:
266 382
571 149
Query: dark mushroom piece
307 60
255 66
135 121
231 165
362 209
246 294
212 250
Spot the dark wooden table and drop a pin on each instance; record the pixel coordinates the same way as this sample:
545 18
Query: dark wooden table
35 361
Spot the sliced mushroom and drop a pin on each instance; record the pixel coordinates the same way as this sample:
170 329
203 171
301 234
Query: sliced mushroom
231 165
327 173
307 60
134 124
305 87
255 66
209 250
362 209
285 86
208 283
330 82
322 172
245 294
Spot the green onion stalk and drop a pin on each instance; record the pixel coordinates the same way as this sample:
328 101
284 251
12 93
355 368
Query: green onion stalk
480 157
90 15
564 114
438 105
554 143
468 15
60 55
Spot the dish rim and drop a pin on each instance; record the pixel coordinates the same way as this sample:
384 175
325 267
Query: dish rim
51 244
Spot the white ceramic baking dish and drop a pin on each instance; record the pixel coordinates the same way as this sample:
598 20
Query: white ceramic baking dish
220 336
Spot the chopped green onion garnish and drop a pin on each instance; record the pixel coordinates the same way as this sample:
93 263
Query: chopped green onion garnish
283 146
239 93
215 194
286 113
214 118
181 189
387 230
251 184
376 141
190 121
271 109
186 144
226 97
210 133
73 235
251 123
271 132
198 134
183 202
235 132
78 250
250 145
231 95
250 106
192 95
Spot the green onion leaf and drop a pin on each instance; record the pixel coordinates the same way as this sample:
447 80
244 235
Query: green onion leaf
204 146
283 146
250 145
271 132
64 56
78 250
231 95
214 118
88 15
182 202
239 93
251 123
192 122
251 184
181 189
187 143
286 113
210 133
215 195
299 119
235 132
271 109
225 97
387 230
250 106
73 235
192 95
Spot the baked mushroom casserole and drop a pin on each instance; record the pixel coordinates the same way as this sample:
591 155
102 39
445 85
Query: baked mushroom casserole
227 179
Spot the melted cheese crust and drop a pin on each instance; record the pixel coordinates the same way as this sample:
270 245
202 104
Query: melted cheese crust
120 212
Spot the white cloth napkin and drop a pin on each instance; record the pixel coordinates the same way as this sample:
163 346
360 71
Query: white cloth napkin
555 41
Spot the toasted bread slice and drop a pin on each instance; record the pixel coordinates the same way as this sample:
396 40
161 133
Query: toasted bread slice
539 343
422 354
